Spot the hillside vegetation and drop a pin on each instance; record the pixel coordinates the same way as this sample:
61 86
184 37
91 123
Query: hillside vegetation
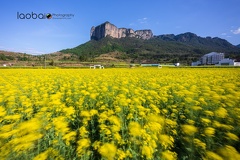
183 48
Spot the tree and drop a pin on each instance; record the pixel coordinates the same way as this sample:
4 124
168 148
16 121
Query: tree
3 57
51 63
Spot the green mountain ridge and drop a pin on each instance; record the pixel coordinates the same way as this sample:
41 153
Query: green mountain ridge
168 48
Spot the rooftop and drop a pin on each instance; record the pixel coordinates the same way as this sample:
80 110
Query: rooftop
212 53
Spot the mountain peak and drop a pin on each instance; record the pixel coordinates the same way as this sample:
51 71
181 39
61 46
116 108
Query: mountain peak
189 34
108 29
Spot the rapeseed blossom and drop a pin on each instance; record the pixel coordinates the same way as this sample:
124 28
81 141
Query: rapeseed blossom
83 144
168 155
145 113
166 141
147 151
212 155
189 129
232 136
134 129
209 131
108 151
229 152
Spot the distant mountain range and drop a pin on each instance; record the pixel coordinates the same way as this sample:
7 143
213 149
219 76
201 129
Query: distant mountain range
109 43
168 48
207 43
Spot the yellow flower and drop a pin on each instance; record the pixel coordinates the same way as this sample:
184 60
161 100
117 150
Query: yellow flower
14 117
166 141
41 107
2 111
226 127
93 95
83 144
108 151
189 129
212 156
83 132
147 151
42 156
197 108
155 108
170 123
209 113
130 116
115 120
7 131
209 131
156 118
154 126
96 145
26 146
121 154
69 111
192 122
71 136
85 114
168 155
115 128
232 136
49 153
93 112
205 121
60 125
134 129
199 143
6 128
221 112
229 152
118 137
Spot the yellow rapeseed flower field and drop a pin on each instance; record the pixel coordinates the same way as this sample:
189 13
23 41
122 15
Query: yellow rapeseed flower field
141 113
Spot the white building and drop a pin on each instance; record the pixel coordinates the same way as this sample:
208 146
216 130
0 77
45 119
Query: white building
236 63
196 63
226 61
210 59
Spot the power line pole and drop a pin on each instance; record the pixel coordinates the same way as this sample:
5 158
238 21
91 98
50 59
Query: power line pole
45 61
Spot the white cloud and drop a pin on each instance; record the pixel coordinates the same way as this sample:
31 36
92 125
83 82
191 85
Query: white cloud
8 49
131 24
143 20
224 34
32 51
26 50
237 31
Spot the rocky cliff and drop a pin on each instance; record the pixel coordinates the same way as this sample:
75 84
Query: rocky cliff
108 29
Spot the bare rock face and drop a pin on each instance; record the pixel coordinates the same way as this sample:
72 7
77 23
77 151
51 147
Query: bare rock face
108 29
144 34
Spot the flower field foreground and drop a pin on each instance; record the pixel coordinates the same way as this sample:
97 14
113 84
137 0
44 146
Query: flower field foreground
142 113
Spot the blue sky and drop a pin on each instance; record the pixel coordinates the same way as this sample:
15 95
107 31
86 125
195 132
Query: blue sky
215 18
